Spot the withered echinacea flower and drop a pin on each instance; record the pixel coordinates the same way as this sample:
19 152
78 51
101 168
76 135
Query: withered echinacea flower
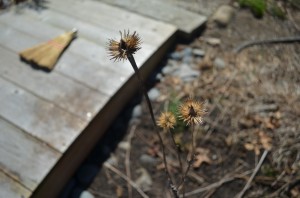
192 111
166 120
128 45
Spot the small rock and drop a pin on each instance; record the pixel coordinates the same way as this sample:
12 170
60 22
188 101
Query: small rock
137 111
223 15
159 77
153 94
186 73
187 51
144 181
176 55
168 69
198 52
86 194
112 160
147 160
124 145
219 63
187 59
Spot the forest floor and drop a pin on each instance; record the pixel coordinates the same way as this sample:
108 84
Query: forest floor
252 120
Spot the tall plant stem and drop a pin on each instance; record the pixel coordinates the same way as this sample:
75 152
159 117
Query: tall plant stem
137 72
190 161
177 151
178 155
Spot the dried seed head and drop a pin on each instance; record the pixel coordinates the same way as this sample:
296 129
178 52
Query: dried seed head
128 44
166 120
192 111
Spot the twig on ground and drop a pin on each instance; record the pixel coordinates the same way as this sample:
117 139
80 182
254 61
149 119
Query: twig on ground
132 183
278 178
216 184
267 41
264 155
127 160
215 122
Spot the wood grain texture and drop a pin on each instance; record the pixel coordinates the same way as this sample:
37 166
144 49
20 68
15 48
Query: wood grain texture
45 112
73 65
183 19
38 117
23 157
93 37
90 58
112 18
11 188
54 87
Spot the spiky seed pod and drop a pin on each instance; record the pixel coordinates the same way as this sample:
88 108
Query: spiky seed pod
192 111
128 44
166 120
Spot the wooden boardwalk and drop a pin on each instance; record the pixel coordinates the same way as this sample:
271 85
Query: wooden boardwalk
49 122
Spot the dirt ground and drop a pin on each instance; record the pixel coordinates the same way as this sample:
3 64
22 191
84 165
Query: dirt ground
253 104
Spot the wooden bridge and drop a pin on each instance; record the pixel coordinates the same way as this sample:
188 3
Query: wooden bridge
50 121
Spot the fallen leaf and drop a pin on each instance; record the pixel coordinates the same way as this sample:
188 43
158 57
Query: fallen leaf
201 157
265 140
119 191
253 146
249 146
229 140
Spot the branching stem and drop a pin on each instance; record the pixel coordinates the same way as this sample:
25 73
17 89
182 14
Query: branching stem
137 72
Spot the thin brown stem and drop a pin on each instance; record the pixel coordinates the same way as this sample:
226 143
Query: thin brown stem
132 183
137 72
190 161
177 151
262 158
127 160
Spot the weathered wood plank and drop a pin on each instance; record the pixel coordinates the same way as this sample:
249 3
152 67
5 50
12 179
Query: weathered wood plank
184 20
64 92
113 18
91 49
10 188
95 75
23 157
95 64
38 117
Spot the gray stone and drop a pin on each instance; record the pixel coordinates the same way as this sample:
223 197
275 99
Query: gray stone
187 59
159 77
223 15
147 160
86 194
112 160
168 69
137 111
176 55
186 73
153 94
198 52
219 63
187 51
124 145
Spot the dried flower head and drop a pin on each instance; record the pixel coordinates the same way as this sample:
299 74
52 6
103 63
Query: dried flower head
192 111
128 44
166 120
